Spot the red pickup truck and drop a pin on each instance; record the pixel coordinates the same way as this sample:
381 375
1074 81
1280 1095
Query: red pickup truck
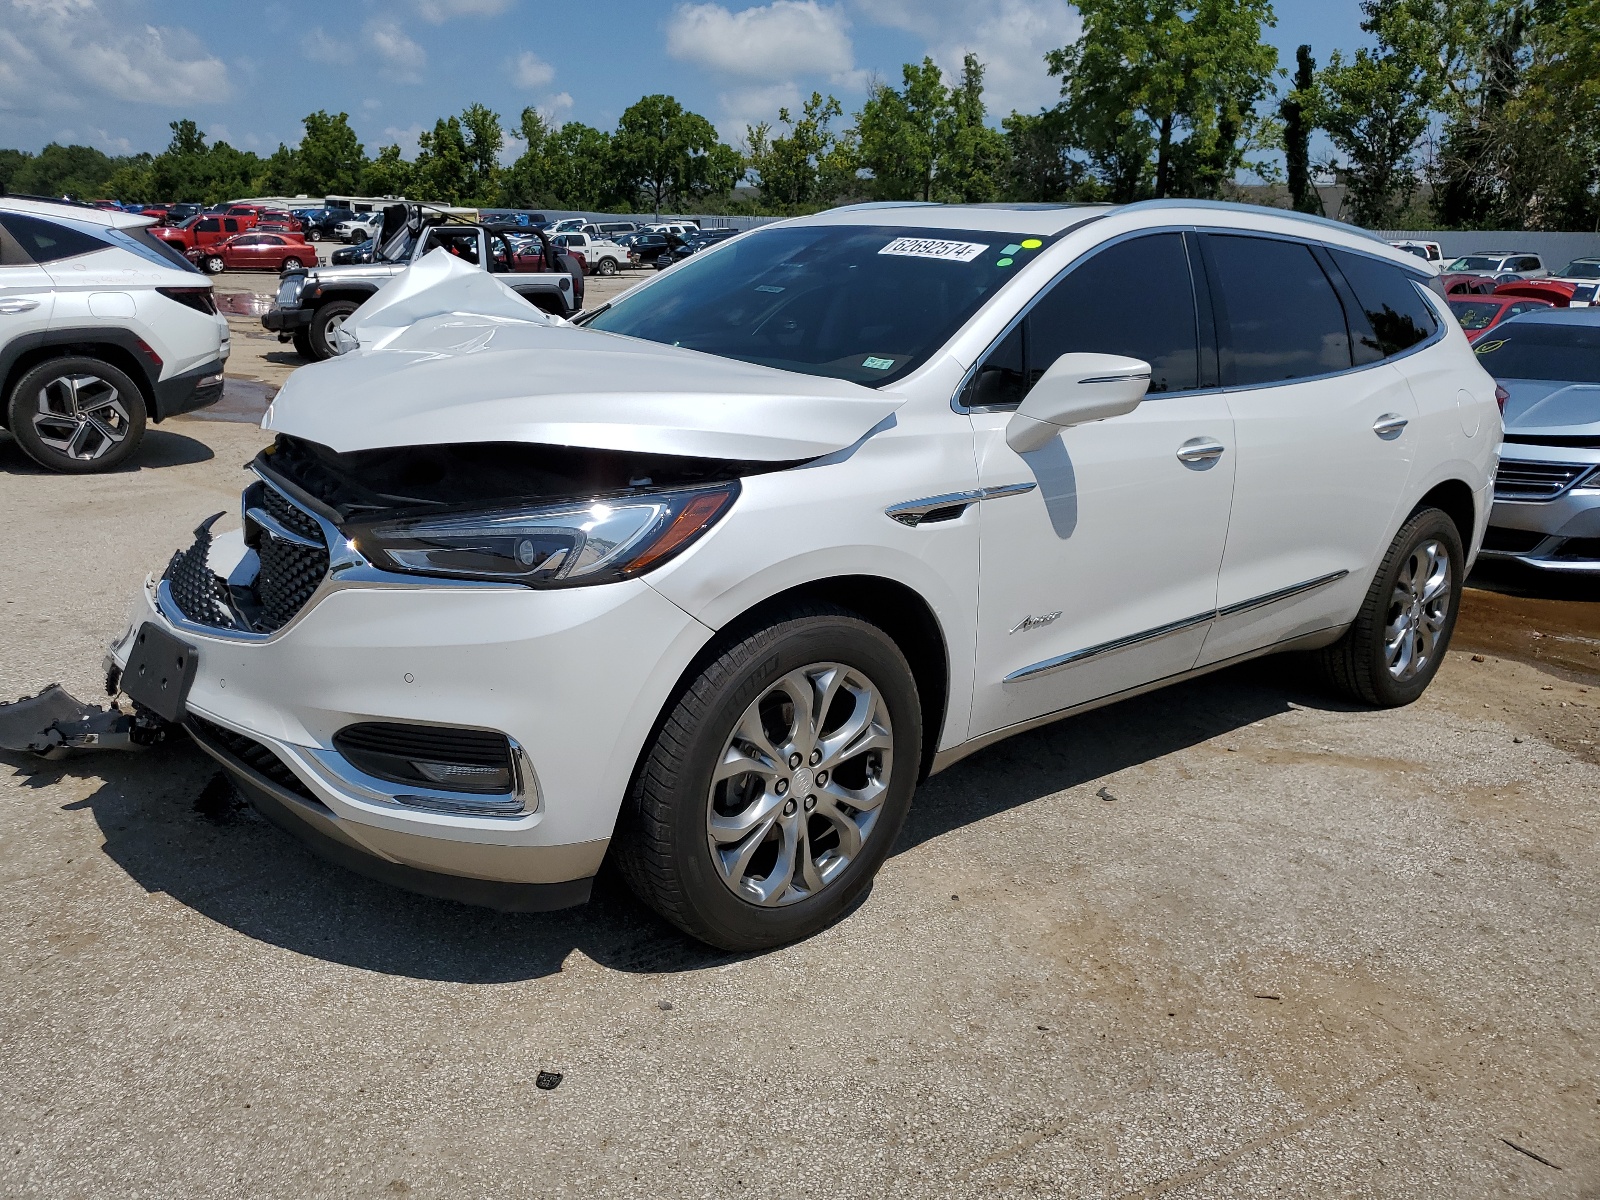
203 230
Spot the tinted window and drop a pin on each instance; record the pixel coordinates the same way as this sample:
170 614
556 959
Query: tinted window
1522 306
1534 350
209 225
1281 318
1527 264
1396 312
45 241
1475 314
866 303
1134 298
11 254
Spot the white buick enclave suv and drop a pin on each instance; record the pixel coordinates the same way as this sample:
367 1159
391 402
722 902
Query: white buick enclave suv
714 579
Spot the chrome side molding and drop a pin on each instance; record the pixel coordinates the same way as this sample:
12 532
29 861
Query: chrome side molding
1051 665
951 505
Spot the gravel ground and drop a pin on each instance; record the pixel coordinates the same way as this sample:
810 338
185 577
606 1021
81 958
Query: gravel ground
1228 940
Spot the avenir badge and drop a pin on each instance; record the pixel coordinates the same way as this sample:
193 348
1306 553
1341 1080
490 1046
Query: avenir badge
912 247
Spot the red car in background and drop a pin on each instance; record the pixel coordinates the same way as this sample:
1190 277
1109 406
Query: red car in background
1479 314
256 251
202 231
1461 284
1559 292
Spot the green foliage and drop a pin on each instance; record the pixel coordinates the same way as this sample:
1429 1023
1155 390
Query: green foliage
1375 108
484 137
386 175
1041 167
664 156
1160 95
330 158
927 141
809 165
81 172
1297 124
442 171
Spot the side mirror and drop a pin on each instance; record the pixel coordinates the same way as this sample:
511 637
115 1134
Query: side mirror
1077 388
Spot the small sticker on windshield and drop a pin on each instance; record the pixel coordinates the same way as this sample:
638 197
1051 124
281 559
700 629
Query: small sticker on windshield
767 287
878 364
911 247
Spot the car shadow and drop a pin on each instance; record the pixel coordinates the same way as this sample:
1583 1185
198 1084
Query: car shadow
286 358
174 824
160 448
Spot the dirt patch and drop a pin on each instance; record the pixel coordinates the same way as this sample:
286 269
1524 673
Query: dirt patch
1553 623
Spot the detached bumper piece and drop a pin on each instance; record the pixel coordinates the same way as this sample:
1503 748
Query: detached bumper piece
53 723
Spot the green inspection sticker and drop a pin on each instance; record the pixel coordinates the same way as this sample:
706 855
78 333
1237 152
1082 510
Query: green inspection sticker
1005 262
1011 249
878 364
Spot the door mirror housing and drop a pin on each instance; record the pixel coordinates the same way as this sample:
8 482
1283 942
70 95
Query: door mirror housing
1077 388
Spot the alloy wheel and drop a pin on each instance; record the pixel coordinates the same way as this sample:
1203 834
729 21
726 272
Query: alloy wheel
799 785
81 416
1418 610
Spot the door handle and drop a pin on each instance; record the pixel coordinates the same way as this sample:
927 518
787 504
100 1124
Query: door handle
1200 449
18 304
1389 425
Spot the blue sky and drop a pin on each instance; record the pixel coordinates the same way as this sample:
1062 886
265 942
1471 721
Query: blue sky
112 73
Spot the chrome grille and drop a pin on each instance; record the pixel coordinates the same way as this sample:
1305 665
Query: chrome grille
1522 480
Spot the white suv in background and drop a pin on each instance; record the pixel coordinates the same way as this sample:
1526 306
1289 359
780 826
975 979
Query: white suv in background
102 328
713 578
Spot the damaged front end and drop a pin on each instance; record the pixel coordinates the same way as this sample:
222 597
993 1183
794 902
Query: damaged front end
53 723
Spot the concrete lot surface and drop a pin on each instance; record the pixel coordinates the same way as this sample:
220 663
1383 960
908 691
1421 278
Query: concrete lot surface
1229 940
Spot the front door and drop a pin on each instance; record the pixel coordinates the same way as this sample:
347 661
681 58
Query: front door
1100 551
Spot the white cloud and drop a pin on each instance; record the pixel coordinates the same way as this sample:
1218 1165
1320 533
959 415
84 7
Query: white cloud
371 105
439 11
784 38
531 71
1010 38
73 54
403 59
319 46
554 109
743 107
406 139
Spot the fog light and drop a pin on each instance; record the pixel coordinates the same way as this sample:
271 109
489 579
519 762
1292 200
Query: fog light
211 381
465 776
477 762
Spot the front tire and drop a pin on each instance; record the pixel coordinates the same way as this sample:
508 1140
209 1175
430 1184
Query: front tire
302 344
1398 640
325 324
76 415
214 264
778 782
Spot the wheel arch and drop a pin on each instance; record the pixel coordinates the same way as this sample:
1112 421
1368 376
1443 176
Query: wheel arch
1455 499
21 357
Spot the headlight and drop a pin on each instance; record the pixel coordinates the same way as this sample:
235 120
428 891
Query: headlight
559 545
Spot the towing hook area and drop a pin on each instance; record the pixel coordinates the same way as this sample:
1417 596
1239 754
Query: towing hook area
54 723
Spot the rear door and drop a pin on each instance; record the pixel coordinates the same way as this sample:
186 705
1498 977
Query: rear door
1324 449
27 296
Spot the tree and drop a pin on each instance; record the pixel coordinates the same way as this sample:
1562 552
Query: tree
11 164
387 175
526 182
484 138
81 172
1297 134
663 155
577 160
1375 108
442 172
1176 80
330 158
972 156
1040 164
807 166
899 133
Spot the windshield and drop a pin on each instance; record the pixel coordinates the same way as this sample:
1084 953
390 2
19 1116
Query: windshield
1475 262
1475 314
1564 353
867 303
1582 268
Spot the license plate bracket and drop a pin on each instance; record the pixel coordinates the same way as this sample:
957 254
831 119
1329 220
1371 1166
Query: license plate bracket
160 671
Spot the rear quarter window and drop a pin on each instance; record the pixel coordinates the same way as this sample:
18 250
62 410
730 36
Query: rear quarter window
45 241
1397 316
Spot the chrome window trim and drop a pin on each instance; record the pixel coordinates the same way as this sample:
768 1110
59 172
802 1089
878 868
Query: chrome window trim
1434 339
1050 665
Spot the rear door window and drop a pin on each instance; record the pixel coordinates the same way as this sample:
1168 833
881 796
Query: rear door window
45 241
1279 318
1397 317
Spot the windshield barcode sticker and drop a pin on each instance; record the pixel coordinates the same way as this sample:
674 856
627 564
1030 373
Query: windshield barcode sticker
910 247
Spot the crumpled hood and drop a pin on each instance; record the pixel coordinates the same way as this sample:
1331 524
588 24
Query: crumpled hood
511 374
1546 406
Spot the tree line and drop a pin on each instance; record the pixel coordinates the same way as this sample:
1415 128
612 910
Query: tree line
1464 113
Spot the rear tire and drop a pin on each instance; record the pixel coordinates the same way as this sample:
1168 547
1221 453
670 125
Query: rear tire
291 264
76 415
735 828
1394 648
608 266
324 322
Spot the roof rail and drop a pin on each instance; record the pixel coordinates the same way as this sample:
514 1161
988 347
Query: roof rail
871 204
1236 207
